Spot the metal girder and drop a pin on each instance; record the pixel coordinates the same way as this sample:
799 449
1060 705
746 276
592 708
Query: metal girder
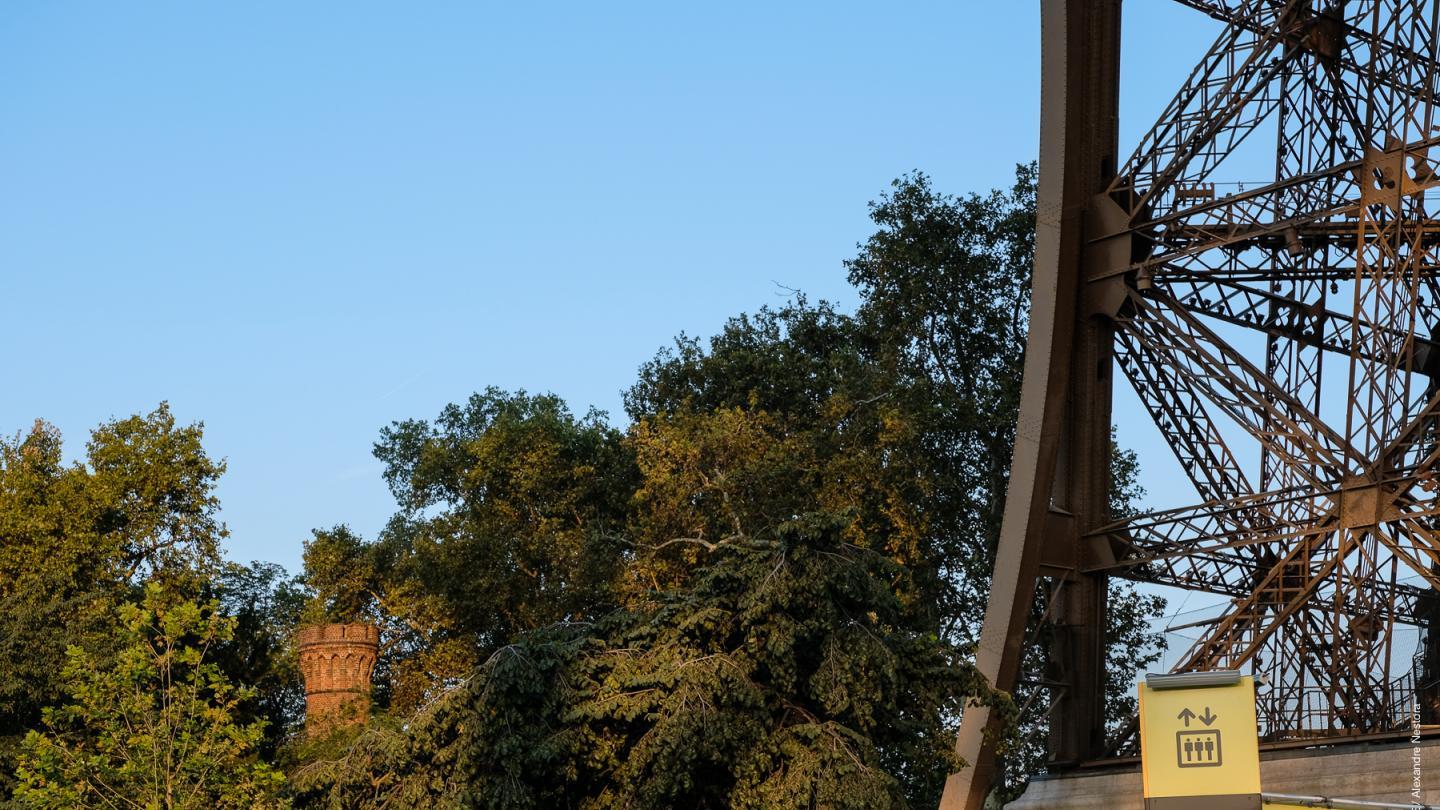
1064 400
1177 340
1219 577
1284 589
1332 195
1332 36
1198 547
1179 410
1226 96
1323 528
1293 320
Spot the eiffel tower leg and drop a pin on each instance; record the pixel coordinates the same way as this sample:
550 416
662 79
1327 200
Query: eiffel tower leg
1062 449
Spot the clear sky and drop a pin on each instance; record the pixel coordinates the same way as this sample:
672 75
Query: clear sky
298 222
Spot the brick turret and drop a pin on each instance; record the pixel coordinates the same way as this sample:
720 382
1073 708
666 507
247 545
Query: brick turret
337 661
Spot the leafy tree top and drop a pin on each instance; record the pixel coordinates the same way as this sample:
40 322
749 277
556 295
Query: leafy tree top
155 728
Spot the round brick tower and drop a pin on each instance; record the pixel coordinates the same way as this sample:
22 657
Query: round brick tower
337 661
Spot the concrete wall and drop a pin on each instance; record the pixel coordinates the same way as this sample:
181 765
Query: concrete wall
1370 771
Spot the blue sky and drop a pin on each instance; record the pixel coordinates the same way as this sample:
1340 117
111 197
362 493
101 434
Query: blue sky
298 222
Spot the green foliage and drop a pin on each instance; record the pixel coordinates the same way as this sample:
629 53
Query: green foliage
593 562
75 539
785 674
511 511
370 766
802 384
342 572
156 727
759 594
156 491
265 605
1131 648
945 282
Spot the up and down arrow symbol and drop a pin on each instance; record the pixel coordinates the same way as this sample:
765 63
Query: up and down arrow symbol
1207 718
1187 716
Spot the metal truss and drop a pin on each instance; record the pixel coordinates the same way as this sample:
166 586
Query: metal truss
1350 188
1283 339
1323 561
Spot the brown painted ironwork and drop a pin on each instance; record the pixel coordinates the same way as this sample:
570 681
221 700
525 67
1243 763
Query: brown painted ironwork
1283 333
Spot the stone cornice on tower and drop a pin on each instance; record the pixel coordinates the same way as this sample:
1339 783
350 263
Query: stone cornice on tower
337 662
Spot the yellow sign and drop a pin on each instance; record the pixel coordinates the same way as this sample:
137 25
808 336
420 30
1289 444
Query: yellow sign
1198 736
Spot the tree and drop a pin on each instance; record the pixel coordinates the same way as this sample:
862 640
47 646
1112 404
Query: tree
156 728
933 358
758 650
510 514
265 605
944 283
811 376
77 538
895 424
784 674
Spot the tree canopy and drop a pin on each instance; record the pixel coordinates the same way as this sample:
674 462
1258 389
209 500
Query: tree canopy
611 576
761 590
785 674
78 538
155 727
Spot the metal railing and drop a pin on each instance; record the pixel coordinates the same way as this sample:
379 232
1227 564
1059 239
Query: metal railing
1315 713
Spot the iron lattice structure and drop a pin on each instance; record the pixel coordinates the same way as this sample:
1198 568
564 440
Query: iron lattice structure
1284 335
